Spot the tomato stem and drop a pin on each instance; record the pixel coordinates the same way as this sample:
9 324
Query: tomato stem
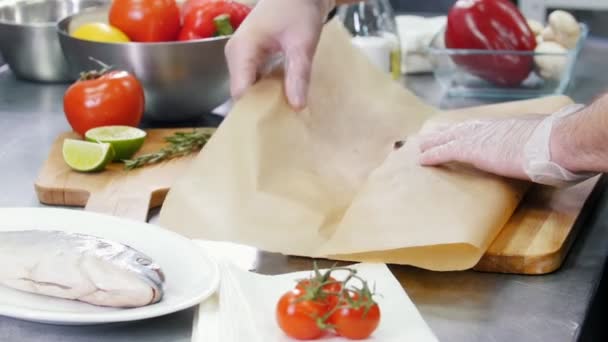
95 74
103 65
348 296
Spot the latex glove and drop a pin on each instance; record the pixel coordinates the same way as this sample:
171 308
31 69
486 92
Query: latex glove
513 147
492 145
291 28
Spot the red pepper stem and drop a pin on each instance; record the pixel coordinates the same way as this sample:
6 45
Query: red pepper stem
223 26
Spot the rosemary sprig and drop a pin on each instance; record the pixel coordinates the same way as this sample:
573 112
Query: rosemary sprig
179 144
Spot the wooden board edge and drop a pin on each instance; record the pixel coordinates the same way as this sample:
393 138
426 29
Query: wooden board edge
523 265
78 198
68 197
552 260
158 198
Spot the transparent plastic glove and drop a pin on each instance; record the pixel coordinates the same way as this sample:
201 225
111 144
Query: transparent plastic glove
492 145
290 29
537 154
513 147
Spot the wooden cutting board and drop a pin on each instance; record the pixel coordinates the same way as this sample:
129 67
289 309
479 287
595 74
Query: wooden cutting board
535 240
538 236
129 194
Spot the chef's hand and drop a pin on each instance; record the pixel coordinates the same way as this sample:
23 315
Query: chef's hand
289 27
492 145
548 149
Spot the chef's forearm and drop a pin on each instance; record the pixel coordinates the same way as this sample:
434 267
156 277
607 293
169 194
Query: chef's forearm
580 142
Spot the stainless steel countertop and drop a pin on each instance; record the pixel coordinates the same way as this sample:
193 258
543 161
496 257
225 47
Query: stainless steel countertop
458 306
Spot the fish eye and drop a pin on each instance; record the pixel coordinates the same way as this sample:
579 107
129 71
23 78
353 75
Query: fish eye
144 261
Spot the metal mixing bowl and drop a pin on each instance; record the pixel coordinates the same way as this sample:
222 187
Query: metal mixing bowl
28 37
181 80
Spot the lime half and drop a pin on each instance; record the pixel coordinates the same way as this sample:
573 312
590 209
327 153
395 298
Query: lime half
125 140
86 156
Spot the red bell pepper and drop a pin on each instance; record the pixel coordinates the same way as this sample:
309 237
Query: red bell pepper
209 18
491 25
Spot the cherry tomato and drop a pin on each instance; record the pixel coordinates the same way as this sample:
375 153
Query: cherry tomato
330 291
114 98
298 317
331 286
146 21
200 15
356 322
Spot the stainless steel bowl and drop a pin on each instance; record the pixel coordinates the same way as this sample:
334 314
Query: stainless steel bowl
28 37
181 80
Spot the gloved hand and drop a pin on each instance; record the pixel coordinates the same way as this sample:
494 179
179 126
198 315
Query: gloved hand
492 145
514 147
291 28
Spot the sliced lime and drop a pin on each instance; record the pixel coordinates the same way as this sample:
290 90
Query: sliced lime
86 156
125 140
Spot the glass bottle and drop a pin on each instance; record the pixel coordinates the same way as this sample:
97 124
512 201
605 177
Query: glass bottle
374 29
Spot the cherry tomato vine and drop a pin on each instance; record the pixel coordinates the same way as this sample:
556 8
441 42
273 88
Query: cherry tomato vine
322 305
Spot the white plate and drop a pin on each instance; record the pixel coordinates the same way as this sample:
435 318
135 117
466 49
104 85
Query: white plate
191 276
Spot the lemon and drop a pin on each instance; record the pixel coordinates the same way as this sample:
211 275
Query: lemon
86 156
125 140
100 32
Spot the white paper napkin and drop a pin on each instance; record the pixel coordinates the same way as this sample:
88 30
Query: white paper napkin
244 307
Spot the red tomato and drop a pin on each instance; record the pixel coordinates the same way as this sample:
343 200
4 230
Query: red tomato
358 321
298 317
491 25
146 21
199 16
329 292
115 98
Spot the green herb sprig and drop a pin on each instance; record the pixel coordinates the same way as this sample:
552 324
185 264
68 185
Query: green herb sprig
180 144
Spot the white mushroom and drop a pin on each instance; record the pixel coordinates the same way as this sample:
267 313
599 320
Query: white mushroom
563 29
535 26
548 35
551 67
539 39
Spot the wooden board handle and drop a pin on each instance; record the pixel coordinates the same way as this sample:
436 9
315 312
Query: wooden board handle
133 206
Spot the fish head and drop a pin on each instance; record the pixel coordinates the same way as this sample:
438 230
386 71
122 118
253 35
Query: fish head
133 261
146 267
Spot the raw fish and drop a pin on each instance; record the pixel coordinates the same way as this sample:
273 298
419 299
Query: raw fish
79 267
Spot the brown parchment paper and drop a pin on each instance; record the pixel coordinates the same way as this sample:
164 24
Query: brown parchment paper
328 181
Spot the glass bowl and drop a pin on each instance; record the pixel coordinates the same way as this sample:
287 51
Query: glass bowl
458 80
